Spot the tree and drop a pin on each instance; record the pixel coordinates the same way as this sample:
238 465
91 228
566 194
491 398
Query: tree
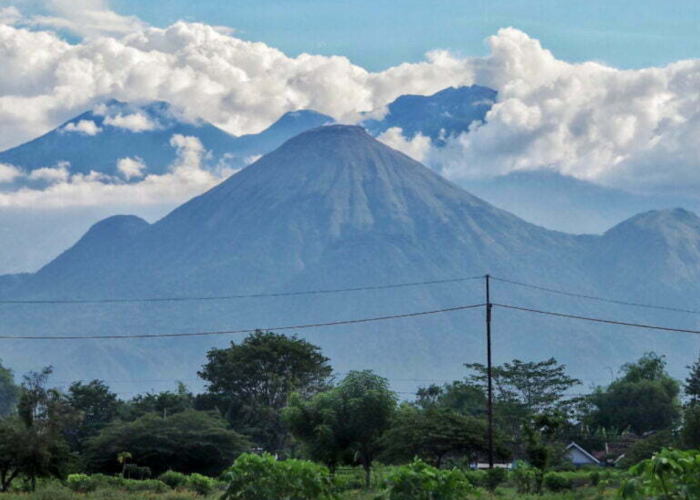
9 391
539 432
97 406
692 384
464 398
529 388
356 414
434 434
644 399
32 443
163 403
250 382
314 423
690 433
187 442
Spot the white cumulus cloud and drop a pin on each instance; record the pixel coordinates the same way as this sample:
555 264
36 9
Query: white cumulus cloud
87 127
636 129
417 147
131 168
187 177
9 173
135 122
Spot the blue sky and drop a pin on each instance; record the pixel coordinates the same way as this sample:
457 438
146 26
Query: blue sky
380 33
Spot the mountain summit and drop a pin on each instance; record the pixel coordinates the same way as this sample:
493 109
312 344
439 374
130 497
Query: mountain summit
332 208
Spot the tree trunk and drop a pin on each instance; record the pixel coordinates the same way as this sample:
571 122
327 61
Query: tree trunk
368 474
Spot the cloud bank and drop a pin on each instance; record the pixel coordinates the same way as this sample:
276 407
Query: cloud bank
56 187
636 129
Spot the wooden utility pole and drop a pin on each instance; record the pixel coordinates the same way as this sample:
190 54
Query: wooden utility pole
489 368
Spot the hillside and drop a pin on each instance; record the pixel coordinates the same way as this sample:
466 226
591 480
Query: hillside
334 208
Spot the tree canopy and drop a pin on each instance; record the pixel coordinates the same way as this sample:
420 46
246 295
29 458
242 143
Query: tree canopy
644 399
250 382
188 442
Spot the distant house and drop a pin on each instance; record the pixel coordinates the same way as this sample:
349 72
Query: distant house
580 457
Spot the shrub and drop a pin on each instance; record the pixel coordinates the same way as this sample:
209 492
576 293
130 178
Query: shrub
53 492
555 481
525 478
420 481
173 479
263 477
81 483
202 485
476 477
147 485
669 474
494 478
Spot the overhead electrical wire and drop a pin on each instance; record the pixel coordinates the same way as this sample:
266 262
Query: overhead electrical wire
597 320
234 332
593 297
243 296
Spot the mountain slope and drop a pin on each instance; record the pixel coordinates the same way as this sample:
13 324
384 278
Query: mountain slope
446 113
96 140
333 208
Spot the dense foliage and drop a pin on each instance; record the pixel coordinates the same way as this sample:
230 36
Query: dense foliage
251 382
263 477
187 442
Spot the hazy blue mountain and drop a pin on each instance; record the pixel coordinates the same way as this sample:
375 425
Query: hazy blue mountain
567 204
115 137
33 237
446 113
334 208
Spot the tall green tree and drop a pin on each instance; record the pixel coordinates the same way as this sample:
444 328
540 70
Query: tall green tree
434 434
250 383
32 442
644 399
463 398
531 388
692 384
187 442
163 403
9 391
354 416
97 406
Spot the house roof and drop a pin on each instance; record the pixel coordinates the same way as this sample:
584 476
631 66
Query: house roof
577 447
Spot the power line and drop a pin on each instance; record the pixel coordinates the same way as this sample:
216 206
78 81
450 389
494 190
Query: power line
593 297
249 330
233 297
598 320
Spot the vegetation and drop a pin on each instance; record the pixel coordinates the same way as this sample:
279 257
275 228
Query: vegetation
312 437
251 382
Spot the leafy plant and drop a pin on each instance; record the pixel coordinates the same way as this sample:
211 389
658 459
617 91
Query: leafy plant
556 482
524 477
494 478
173 479
263 477
202 485
668 475
81 483
420 481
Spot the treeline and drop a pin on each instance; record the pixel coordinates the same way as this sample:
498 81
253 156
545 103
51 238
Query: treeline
278 394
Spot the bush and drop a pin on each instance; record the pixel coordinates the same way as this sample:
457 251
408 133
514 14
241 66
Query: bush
173 479
494 478
81 483
420 481
202 485
555 481
669 474
525 478
263 477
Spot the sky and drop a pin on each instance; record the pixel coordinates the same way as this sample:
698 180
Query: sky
606 92
377 34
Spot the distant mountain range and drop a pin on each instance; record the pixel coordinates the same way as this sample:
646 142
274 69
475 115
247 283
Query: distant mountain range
99 138
334 208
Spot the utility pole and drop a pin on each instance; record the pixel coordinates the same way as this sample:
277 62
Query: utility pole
489 368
